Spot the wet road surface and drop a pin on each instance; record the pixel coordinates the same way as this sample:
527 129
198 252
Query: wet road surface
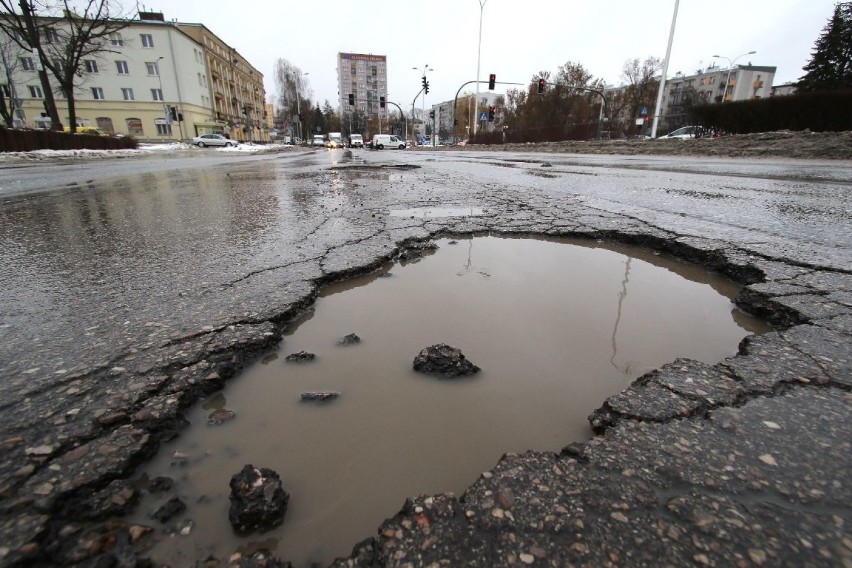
131 288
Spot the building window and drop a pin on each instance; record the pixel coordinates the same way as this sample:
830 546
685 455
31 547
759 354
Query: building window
59 64
121 67
127 94
27 64
91 66
147 40
97 93
116 40
354 70
153 68
134 127
164 129
157 94
35 92
50 35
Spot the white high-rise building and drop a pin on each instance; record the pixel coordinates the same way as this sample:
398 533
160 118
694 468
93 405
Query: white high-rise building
365 78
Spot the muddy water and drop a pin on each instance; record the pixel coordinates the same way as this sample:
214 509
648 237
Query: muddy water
556 328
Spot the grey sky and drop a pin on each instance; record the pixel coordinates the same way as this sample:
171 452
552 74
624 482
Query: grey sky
518 38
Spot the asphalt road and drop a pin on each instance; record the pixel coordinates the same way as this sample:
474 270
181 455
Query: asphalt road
131 287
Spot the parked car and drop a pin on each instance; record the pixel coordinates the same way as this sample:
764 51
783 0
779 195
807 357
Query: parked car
88 130
213 140
683 133
382 141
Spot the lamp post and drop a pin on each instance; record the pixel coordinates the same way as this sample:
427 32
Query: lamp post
730 68
162 97
423 103
478 56
298 101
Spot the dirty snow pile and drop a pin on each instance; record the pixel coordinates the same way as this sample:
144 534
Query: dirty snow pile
144 149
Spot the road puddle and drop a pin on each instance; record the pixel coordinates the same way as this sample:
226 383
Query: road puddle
556 326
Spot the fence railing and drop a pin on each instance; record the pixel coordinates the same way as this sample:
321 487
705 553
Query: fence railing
27 140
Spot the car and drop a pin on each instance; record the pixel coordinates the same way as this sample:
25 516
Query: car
88 130
382 141
213 140
684 133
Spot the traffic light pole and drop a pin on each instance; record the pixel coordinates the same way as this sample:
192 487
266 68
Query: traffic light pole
456 100
414 100
402 114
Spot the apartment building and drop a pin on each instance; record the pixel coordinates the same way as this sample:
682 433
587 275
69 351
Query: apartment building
469 113
159 81
365 77
706 86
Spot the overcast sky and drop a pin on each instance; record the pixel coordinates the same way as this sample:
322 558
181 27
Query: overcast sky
519 37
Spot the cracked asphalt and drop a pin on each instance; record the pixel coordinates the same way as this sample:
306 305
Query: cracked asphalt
131 288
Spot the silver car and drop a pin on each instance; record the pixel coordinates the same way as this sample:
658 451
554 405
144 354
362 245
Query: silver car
213 140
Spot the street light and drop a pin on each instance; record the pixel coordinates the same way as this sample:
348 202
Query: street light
425 68
730 68
478 57
162 97
298 103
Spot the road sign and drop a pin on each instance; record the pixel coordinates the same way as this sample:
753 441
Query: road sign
644 111
483 117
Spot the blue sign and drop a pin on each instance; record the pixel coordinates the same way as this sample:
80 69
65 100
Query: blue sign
643 111
483 117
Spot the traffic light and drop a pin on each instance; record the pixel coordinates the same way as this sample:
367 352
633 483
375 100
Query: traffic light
541 84
432 114
351 99
173 112
491 80
491 110
301 117
180 117
382 102
427 87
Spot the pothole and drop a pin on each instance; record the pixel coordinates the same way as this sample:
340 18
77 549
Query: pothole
556 327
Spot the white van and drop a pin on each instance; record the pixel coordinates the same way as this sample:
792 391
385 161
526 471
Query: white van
382 141
356 141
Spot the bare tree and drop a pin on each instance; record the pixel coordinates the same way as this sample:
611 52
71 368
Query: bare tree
10 64
641 80
84 30
20 22
62 33
293 92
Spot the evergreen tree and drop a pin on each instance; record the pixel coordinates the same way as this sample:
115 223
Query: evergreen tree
830 66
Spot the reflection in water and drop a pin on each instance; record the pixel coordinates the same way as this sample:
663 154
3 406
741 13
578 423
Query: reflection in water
91 259
621 296
540 324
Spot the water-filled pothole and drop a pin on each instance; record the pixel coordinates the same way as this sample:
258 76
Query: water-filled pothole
556 326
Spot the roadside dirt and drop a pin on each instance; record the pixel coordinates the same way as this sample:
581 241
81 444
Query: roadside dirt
782 144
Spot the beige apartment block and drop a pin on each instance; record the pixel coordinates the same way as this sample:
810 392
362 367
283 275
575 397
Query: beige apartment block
160 81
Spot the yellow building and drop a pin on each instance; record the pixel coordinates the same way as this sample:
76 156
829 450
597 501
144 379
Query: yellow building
160 81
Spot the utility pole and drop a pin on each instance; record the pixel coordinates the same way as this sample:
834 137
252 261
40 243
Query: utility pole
658 111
